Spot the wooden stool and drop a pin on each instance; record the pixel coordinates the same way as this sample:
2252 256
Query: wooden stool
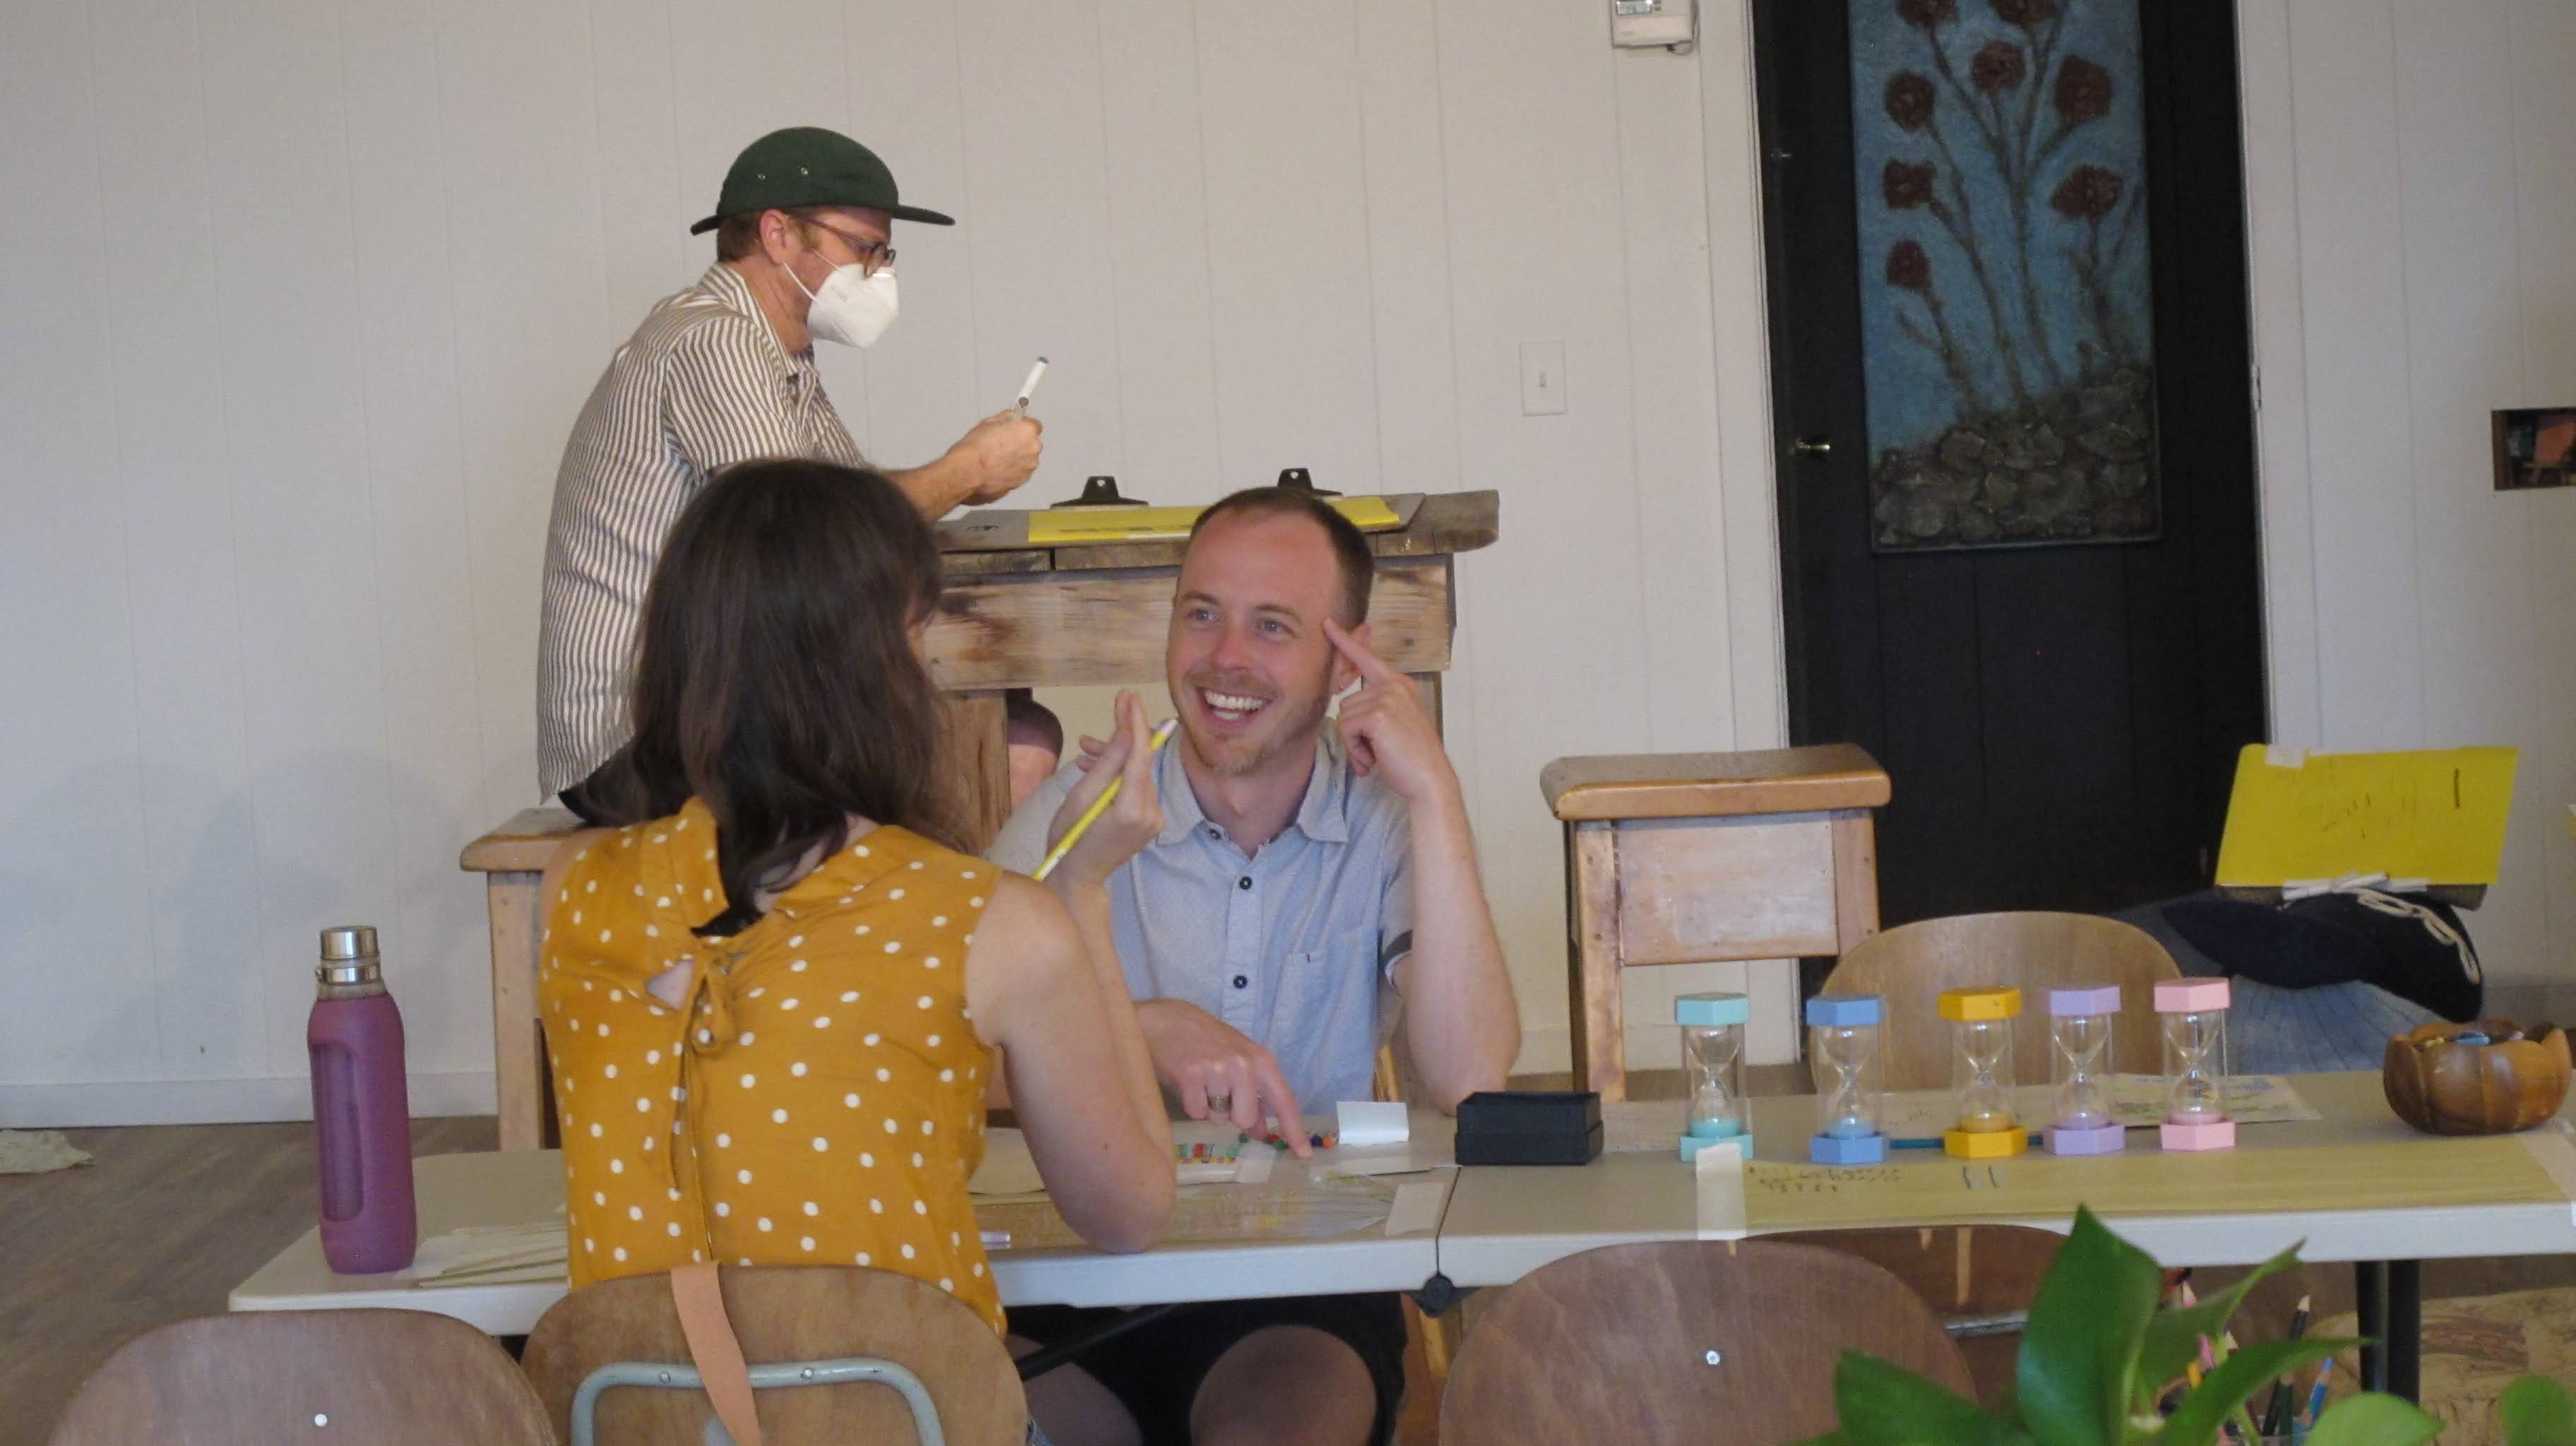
511 859
1694 858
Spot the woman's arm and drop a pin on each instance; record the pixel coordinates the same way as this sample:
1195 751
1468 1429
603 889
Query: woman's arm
1078 1066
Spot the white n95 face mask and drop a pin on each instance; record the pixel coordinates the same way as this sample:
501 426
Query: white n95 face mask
853 308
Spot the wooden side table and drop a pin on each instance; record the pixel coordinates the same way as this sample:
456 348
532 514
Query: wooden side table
1693 858
511 859
1012 616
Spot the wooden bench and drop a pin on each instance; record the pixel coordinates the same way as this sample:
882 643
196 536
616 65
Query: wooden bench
1691 858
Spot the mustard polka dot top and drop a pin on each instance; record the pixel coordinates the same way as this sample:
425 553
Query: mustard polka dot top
816 1098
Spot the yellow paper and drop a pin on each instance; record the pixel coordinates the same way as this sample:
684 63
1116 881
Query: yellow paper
1060 525
2436 815
1935 1190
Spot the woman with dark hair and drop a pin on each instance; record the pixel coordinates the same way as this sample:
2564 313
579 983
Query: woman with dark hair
771 1000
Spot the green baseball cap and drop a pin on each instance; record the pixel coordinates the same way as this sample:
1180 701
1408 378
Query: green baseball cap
810 166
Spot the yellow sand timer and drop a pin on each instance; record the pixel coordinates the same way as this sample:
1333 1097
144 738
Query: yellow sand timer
1981 1072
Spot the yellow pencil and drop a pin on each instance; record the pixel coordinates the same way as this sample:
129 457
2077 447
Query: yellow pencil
1099 806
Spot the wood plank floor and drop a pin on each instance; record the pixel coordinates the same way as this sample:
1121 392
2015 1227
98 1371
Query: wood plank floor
162 1226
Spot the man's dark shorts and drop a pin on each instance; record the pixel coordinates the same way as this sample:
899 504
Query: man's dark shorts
1155 1369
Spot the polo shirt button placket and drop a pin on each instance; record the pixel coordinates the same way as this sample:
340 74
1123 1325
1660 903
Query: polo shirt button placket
1242 951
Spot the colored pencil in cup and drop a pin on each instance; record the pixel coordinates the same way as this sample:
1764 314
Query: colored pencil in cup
1099 806
2276 1416
2317 1393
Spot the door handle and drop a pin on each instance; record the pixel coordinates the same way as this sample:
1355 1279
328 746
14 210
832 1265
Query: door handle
1812 446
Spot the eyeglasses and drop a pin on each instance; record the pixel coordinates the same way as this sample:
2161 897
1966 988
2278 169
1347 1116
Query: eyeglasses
874 256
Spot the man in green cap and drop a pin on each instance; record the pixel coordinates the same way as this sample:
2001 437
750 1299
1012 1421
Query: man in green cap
721 373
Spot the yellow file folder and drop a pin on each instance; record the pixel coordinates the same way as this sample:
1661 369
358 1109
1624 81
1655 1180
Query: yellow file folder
1058 526
2434 814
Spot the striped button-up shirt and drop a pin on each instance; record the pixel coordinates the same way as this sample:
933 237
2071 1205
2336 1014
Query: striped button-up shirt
1295 945
701 385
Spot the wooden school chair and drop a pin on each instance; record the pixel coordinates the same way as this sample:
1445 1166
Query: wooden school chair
799 1314
395 1377
1979 1279
1729 1342
1693 858
2034 952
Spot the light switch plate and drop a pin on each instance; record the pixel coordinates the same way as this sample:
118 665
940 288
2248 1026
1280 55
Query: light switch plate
1646 23
1542 378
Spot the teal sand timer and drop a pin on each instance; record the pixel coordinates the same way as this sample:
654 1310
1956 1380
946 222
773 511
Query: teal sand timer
1843 1051
1713 1060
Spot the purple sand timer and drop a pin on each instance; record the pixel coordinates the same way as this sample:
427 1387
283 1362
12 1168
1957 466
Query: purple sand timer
2080 1021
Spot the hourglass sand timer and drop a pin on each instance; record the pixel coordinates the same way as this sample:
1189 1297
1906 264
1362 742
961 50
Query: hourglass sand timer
1843 1050
2079 1037
1981 1072
2195 1020
1713 1059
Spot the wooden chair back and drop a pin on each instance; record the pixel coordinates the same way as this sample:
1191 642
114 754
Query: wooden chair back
252 1379
2034 952
1698 1341
782 1314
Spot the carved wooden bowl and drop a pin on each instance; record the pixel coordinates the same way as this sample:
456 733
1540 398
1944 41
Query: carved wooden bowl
2442 1080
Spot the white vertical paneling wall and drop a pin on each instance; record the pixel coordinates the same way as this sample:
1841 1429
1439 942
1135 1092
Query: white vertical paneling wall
304 294
2414 267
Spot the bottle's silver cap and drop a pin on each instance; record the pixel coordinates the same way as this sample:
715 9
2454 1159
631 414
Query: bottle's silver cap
348 942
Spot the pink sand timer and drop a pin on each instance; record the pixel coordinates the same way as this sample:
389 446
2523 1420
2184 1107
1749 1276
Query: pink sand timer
1843 1050
2079 1036
2194 1012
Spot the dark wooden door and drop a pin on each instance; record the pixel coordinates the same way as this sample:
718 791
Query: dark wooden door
2060 721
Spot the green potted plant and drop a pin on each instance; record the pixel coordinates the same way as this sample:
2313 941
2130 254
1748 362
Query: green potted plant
2099 1355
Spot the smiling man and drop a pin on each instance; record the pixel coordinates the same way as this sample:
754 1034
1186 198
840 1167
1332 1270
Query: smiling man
1303 870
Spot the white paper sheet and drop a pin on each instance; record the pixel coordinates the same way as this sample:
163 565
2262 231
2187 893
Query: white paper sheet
1720 1169
1369 1122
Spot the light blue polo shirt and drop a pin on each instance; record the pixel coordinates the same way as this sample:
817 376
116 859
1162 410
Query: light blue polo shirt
1293 945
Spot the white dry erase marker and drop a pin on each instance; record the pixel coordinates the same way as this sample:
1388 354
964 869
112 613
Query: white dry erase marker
1029 388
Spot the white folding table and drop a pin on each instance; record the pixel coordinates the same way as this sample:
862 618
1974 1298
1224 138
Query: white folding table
1504 1223
525 1187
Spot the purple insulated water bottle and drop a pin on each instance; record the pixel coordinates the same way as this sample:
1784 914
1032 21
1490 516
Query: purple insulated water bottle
361 1113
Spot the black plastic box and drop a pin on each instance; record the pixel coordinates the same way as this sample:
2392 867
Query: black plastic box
1529 1127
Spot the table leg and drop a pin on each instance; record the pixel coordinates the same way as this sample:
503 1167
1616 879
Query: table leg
1855 878
2370 1319
1593 1009
2405 1350
518 1046
983 752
